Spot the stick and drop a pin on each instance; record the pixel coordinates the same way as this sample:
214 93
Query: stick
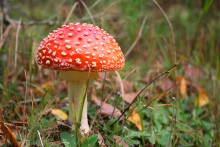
71 11
155 79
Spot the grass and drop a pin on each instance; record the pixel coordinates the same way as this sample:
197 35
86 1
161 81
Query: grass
28 93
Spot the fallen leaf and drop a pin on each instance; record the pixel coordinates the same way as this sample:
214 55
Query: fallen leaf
41 89
135 118
105 109
119 141
60 114
62 87
202 98
102 75
128 86
149 77
129 97
193 73
181 81
9 135
166 84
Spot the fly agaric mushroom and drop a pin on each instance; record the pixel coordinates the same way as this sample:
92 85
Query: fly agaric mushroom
79 51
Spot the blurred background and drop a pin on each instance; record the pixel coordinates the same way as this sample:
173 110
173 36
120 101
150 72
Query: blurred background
154 35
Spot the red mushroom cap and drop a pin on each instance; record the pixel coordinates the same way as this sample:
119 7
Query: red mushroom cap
81 47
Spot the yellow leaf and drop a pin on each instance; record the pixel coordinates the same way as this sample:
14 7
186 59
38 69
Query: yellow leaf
135 119
202 98
182 86
61 115
9 135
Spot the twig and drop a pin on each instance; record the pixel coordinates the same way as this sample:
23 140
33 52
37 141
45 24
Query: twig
4 35
102 102
16 45
137 38
155 79
95 3
41 142
129 74
71 11
161 95
26 89
88 11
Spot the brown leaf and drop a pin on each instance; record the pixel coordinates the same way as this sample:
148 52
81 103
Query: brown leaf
193 73
9 135
166 84
202 98
182 86
119 142
62 87
135 119
106 109
41 90
129 97
102 75
128 86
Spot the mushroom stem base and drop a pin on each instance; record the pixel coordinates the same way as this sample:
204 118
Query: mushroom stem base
76 94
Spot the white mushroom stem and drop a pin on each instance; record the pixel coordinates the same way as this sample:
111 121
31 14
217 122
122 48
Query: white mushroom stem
76 93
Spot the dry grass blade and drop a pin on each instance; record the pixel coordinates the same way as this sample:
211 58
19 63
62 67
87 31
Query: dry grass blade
88 11
9 135
162 105
171 28
41 142
71 11
154 99
16 45
155 79
137 38
4 35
